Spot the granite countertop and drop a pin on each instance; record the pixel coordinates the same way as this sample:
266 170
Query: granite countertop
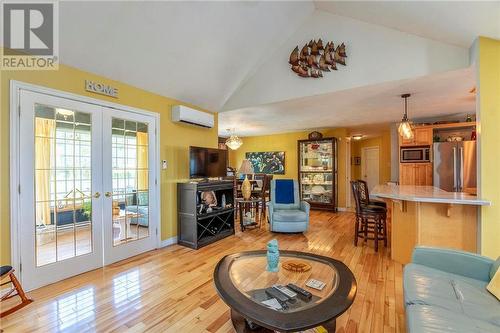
426 194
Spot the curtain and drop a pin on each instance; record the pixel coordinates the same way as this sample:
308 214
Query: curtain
44 131
142 161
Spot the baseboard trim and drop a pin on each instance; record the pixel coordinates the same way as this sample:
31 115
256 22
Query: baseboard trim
168 241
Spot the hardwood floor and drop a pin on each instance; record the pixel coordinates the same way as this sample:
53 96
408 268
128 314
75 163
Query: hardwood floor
171 289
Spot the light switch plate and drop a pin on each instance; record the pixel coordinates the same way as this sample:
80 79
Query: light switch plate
164 164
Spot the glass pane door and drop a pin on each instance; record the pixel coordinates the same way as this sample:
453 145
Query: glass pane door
63 184
130 180
129 222
60 181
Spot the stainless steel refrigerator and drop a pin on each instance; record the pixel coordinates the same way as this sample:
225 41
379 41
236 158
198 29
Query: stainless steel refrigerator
455 166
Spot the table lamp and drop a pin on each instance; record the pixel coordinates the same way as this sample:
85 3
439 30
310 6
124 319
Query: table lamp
246 189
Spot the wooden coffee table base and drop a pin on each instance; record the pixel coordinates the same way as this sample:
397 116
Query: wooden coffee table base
239 324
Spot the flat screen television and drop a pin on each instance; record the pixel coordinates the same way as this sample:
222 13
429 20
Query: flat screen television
207 162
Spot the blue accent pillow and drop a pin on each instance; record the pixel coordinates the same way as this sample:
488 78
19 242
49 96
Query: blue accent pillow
284 191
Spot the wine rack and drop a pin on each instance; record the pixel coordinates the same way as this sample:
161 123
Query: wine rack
198 223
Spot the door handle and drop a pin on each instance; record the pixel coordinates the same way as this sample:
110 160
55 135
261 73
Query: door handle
107 194
461 155
97 195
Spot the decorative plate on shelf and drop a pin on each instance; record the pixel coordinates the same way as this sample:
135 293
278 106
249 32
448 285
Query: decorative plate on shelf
318 179
315 163
317 190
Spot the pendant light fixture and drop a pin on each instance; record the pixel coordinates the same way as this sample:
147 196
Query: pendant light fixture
233 142
406 126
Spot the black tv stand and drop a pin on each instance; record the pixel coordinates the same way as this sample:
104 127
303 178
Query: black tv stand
198 227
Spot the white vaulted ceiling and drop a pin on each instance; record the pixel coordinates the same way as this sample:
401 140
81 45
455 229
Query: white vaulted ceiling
436 95
232 56
450 22
375 55
197 52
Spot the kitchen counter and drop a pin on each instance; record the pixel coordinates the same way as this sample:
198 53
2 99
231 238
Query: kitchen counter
429 216
426 194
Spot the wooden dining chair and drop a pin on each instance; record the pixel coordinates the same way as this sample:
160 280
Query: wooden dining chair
7 272
263 195
269 178
238 196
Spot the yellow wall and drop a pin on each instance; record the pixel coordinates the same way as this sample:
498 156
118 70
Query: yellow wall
489 141
287 142
174 138
383 142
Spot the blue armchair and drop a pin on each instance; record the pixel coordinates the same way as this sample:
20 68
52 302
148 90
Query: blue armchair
445 291
286 212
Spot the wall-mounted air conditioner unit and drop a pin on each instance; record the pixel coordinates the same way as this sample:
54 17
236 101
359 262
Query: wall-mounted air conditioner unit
184 114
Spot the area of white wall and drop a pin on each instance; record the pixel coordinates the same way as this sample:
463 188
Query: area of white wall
375 54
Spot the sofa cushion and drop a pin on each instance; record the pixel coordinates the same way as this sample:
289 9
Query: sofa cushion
289 215
427 286
432 319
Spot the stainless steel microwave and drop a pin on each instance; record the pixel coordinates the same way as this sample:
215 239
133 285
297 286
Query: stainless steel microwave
418 154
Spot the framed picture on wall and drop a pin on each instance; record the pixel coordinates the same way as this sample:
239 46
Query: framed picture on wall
270 162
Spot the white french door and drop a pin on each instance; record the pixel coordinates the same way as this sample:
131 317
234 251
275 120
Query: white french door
60 181
129 184
87 183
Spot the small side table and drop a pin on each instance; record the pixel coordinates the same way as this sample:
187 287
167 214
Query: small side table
250 213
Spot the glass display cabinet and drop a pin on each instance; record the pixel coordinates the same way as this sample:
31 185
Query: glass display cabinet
318 172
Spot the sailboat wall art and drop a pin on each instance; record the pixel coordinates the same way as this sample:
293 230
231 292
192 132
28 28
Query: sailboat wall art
314 58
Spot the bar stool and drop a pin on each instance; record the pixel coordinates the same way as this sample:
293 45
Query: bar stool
370 218
365 195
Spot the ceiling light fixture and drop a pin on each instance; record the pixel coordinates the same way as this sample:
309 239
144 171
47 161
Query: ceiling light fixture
357 136
406 126
233 142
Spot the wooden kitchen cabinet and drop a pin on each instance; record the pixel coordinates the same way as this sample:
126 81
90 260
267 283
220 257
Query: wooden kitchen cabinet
423 174
407 174
406 142
421 137
415 174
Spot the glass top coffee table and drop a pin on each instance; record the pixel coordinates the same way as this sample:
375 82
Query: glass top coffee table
241 279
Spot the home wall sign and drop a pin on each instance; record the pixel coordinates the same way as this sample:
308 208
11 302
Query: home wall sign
315 58
101 88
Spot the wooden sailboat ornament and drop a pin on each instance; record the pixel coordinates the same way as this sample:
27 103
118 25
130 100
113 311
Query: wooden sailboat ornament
314 58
